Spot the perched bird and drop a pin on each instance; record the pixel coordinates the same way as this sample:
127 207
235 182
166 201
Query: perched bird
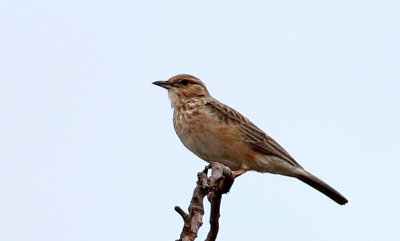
217 133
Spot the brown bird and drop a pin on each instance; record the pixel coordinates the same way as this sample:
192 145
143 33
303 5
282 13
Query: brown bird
217 133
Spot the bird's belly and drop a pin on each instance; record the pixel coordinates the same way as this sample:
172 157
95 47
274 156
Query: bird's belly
214 142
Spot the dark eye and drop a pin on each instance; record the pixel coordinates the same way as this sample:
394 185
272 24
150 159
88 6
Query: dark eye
185 82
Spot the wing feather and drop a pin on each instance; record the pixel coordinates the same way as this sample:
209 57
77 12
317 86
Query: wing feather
252 135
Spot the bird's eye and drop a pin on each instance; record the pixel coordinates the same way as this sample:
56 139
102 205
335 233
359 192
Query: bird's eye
185 82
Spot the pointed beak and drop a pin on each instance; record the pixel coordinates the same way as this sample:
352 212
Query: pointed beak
164 84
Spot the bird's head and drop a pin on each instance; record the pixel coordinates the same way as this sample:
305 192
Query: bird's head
183 87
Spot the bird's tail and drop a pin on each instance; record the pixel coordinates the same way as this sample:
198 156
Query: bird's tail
321 186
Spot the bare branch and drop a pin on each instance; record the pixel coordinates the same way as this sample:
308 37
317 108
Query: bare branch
218 183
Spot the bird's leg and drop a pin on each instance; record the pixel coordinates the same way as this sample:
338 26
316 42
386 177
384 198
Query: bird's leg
238 173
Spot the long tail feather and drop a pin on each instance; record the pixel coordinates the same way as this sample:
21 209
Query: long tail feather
321 186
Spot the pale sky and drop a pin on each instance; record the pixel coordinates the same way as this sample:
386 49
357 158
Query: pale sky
87 146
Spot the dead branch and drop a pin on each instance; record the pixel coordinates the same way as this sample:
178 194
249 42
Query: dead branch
218 183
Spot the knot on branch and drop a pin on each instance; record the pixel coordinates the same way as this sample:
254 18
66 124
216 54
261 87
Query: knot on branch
213 187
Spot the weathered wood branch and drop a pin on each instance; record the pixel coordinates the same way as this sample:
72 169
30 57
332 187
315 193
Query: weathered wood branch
218 183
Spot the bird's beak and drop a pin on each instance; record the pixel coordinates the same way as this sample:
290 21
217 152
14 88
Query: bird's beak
164 84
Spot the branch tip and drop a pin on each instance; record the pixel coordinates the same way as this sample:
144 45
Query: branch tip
219 182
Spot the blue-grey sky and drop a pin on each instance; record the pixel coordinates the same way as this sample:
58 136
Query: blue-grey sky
87 146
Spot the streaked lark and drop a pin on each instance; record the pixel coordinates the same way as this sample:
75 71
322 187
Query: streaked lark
217 133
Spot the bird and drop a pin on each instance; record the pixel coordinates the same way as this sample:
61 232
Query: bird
217 133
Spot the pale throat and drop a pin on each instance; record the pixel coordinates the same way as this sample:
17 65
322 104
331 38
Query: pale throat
179 100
